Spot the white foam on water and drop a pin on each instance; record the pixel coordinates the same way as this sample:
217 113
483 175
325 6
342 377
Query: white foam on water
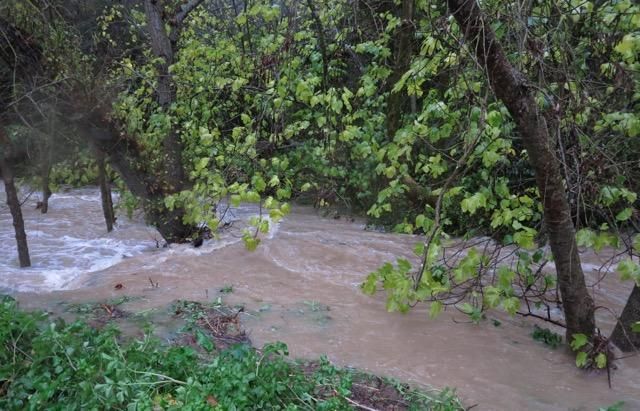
605 268
69 240
57 263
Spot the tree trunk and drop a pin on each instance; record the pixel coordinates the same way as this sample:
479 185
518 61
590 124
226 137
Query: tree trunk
16 212
173 180
622 336
105 192
123 158
163 48
46 190
510 86
45 170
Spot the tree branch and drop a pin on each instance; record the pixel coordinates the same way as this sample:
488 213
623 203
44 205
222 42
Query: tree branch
184 10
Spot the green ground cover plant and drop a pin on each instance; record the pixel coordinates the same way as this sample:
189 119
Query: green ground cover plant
46 363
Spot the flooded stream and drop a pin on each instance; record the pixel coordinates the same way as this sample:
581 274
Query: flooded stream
301 286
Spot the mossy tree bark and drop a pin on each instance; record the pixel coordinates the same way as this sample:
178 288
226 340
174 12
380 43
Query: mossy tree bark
511 87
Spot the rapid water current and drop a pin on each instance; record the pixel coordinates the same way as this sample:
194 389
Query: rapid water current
301 286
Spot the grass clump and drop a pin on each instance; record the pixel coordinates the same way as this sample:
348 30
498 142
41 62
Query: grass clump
55 365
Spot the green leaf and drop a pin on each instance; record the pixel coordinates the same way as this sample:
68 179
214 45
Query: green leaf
473 203
370 284
625 214
585 237
579 341
403 265
235 200
601 360
505 277
581 359
204 341
251 243
635 327
603 239
511 305
259 183
467 308
202 163
283 193
435 309
525 239
246 120
419 249
275 214
303 92
274 181
492 297
169 202
494 118
629 270
252 196
626 45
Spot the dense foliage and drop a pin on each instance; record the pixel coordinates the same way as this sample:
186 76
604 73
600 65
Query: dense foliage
48 364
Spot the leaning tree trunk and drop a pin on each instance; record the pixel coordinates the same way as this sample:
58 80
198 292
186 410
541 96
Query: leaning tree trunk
123 158
16 212
511 87
105 192
623 337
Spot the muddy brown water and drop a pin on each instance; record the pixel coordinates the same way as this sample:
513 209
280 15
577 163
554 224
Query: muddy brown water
301 286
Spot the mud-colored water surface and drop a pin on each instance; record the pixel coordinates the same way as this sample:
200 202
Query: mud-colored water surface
301 286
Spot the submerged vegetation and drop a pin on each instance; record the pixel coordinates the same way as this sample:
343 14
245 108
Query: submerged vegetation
49 364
